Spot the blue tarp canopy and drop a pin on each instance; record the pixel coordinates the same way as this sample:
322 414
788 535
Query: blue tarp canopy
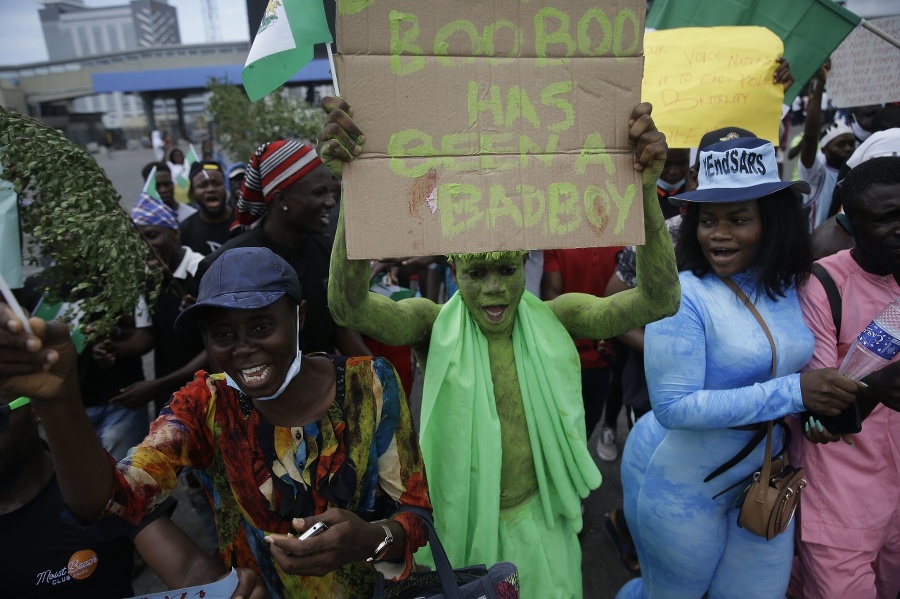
192 77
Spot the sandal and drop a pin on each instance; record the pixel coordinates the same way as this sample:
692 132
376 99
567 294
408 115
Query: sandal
617 531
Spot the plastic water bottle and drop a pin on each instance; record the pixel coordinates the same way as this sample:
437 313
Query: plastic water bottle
876 345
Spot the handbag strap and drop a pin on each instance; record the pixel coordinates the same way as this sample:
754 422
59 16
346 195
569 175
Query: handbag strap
441 562
767 458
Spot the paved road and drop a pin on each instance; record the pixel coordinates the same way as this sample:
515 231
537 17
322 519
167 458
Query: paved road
602 572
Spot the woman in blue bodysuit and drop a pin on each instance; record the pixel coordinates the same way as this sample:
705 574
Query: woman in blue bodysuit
709 370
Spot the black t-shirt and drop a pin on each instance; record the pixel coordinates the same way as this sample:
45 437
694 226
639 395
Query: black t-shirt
46 557
311 261
201 236
172 350
97 385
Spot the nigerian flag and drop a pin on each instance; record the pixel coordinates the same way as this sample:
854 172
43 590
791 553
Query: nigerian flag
149 188
182 179
810 29
283 44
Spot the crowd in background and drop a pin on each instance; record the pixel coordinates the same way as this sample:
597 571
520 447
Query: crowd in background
698 383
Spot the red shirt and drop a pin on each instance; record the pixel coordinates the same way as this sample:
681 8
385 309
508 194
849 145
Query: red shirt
584 270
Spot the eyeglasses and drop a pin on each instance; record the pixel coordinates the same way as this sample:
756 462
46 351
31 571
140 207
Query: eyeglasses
5 410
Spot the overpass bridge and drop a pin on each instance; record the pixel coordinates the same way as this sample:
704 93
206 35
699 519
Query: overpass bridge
44 89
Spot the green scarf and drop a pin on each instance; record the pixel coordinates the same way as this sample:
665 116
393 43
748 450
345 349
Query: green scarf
460 437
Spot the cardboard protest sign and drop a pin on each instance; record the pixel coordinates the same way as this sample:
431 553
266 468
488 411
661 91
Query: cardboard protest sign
490 126
865 69
704 78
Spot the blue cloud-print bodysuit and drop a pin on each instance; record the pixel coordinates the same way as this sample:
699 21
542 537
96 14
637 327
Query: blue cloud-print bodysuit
709 368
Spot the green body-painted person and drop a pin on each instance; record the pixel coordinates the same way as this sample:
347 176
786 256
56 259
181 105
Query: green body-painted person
502 428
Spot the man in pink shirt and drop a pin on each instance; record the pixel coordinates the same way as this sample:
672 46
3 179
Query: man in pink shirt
850 513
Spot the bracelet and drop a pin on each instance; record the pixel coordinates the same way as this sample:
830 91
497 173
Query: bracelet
384 545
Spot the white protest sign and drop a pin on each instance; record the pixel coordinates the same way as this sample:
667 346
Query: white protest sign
865 69
221 589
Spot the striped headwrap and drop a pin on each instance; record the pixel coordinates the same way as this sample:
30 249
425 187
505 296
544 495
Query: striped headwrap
275 165
149 211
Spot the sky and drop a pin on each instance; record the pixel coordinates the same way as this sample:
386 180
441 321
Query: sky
22 40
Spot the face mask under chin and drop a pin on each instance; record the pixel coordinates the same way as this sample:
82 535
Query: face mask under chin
292 373
666 186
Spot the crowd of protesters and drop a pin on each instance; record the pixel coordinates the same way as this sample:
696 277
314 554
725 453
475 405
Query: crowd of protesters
266 402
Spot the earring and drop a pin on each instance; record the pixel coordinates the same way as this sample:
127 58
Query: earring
284 208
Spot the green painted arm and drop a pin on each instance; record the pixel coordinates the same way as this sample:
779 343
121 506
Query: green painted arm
352 305
658 292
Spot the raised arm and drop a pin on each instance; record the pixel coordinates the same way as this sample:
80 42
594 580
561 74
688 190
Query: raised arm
43 367
658 291
351 303
809 145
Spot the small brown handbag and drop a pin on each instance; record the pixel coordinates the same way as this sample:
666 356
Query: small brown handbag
771 500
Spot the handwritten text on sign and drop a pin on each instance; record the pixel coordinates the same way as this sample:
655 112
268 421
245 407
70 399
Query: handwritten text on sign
865 68
506 129
704 78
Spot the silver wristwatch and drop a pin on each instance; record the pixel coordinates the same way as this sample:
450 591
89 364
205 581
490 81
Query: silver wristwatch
384 545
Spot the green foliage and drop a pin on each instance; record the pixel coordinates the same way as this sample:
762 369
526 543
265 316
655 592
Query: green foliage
77 220
242 126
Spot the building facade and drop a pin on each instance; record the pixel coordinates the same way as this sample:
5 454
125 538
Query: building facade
73 30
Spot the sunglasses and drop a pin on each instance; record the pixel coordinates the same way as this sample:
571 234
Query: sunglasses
5 410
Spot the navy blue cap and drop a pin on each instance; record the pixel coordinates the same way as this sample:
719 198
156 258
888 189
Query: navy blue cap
737 170
242 279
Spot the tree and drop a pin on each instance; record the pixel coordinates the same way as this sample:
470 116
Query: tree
242 126
98 256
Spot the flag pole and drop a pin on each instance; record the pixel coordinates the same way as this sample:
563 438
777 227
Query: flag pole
337 90
882 34
14 305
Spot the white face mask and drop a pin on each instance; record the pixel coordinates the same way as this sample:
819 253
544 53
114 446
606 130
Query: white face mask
293 371
666 186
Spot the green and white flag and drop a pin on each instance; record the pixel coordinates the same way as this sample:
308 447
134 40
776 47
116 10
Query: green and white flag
284 44
10 250
149 188
190 158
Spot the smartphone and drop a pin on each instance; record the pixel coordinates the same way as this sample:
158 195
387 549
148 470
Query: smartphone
313 531
847 422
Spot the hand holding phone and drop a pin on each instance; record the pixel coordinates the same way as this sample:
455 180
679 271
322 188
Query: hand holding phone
312 531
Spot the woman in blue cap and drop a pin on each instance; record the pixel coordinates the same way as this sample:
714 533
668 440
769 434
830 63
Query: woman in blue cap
283 441
709 373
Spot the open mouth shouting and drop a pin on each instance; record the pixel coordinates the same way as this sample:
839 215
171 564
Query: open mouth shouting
494 313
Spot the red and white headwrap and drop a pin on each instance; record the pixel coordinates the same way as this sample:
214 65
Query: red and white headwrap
275 165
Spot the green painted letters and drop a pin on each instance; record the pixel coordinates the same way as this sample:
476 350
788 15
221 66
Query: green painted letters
584 40
623 203
549 97
494 104
501 205
398 149
543 38
441 47
403 44
558 207
458 199
594 152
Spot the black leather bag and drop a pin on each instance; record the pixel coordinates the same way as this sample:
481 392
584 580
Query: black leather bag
500 581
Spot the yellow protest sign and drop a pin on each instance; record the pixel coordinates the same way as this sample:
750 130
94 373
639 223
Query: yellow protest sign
704 78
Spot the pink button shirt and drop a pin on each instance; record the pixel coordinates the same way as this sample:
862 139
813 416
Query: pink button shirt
854 492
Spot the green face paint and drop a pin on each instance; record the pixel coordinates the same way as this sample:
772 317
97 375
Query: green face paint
491 289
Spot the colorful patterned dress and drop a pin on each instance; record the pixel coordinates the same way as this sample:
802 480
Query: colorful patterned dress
362 456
